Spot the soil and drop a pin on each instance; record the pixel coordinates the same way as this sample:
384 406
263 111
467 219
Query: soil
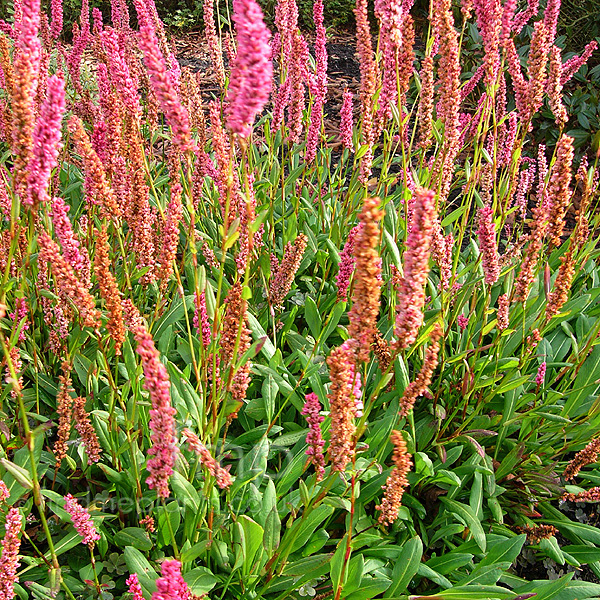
342 71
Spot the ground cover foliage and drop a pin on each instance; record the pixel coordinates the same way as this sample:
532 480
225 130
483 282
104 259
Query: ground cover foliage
242 360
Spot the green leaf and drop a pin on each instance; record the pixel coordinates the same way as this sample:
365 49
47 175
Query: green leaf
269 393
470 592
504 552
586 382
313 318
185 491
336 314
446 563
584 554
255 461
585 532
306 565
133 536
65 544
405 567
337 565
173 315
200 580
272 531
356 568
470 519
20 475
187 556
434 576
137 563
253 537
258 332
546 590
370 588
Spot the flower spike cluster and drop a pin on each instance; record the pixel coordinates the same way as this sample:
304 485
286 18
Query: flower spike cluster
314 438
81 521
162 414
397 482
367 280
252 71
9 559
411 288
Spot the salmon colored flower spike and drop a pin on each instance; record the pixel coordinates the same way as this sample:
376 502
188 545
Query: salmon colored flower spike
221 475
367 280
9 559
488 245
397 482
314 438
411 288
46 142
585 457
252 71
342 402
162 413
67 283
81 521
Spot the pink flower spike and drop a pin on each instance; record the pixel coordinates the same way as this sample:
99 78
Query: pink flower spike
221 475
81 521
46 142
541 374
4 491
163 84
162 414
135 589
9 560
487 244
252 71
347 264
171 586
56 11
314 438
346 124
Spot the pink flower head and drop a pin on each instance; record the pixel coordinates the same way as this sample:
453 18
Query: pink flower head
487 244
171 586
56 11
539 378
162 414
46 141
201 322
125 84
462 321
20 313
76 257
346 120
574 64
411 287
347 264
4 491
252 71
221 475
314 437
134 587
81 521
9 562
163 83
